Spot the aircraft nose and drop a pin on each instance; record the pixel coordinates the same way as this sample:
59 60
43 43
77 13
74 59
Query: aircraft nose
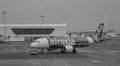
34 44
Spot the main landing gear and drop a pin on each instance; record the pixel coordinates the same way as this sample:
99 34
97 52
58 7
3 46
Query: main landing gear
74 51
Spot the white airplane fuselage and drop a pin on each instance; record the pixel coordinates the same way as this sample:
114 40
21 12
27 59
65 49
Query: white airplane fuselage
58 42
68 44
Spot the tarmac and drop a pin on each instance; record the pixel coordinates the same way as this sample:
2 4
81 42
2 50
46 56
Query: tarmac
18 54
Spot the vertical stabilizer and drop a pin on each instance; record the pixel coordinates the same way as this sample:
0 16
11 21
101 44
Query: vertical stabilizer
99 31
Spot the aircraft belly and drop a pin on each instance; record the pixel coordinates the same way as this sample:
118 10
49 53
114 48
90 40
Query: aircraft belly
81 44
56 46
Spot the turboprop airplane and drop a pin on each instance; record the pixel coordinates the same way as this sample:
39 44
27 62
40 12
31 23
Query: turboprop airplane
66 44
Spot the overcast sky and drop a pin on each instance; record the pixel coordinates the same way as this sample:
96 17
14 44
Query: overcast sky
80 15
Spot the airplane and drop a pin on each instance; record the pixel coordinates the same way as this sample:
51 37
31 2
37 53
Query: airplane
66 44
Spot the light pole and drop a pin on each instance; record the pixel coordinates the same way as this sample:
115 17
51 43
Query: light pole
42 19
110 23
4 13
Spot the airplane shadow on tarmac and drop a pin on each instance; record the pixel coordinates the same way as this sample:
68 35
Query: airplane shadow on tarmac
49 55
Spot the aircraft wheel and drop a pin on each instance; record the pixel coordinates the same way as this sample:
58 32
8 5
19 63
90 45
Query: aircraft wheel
42 50
63 50
105 41
74 50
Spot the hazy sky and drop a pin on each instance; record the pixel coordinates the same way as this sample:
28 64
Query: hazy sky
80 15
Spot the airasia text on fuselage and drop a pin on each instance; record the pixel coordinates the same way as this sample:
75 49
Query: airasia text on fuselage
62 42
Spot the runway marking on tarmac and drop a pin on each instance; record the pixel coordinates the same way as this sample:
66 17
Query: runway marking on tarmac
86 50
13 48
96 61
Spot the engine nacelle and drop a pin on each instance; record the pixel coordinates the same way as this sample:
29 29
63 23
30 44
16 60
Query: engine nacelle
69 48
41 43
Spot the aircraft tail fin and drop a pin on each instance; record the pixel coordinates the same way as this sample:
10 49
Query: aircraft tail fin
99 31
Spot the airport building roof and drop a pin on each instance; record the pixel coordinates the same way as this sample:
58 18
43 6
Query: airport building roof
34 25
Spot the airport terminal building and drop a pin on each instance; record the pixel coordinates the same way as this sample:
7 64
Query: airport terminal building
29 32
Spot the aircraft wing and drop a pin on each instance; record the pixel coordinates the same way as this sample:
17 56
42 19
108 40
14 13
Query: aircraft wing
83 42
105 39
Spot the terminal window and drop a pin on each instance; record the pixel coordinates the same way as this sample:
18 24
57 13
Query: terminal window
30 31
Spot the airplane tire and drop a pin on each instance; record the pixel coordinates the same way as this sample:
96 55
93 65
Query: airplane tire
105 42
41 52
74 50
63 50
